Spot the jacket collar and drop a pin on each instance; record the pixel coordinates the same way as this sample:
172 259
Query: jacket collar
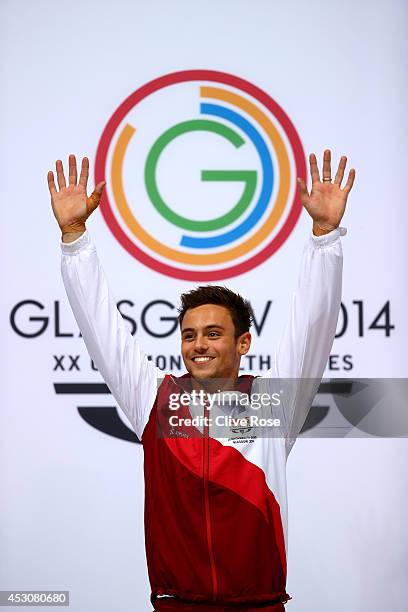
243 383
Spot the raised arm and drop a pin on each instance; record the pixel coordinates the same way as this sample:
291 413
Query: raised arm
309 333
130 376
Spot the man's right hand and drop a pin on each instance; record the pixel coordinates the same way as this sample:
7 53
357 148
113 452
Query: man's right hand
70 204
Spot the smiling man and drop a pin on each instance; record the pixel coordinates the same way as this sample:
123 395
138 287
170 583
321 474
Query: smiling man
215 505
214 324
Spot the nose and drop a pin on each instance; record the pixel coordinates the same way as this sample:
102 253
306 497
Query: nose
200 344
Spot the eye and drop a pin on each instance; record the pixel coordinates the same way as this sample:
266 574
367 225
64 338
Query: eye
188 337
213 334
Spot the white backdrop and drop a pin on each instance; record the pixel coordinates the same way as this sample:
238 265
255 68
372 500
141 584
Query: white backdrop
71 514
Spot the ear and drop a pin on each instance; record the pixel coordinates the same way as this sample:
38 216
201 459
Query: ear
244 343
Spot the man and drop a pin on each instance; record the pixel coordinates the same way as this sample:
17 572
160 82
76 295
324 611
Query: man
215 510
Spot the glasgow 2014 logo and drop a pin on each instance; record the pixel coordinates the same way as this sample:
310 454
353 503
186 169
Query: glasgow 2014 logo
201 171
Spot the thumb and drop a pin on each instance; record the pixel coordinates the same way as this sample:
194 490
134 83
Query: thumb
93 201
303 192
100 187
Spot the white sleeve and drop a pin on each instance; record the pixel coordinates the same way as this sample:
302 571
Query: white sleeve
307 339
130 376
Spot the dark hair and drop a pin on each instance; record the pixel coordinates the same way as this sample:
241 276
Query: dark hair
241 310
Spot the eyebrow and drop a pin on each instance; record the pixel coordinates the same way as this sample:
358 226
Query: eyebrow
211 326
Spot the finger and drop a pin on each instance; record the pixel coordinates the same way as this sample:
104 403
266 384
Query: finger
83 179
340 170
72 170
303 192
60 173
350 181
327 164
314 170
51 184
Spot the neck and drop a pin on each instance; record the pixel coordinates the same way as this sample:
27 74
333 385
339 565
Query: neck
213 385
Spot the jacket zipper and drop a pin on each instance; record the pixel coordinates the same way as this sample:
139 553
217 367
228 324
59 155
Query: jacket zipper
206 468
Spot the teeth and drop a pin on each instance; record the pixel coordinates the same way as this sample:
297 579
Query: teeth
201 359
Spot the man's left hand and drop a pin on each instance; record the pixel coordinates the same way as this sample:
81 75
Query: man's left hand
326 202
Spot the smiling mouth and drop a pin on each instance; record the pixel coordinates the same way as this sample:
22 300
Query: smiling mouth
204 359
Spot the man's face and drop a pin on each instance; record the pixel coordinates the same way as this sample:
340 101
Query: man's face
208 344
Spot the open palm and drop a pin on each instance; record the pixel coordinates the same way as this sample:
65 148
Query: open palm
71 206
326 202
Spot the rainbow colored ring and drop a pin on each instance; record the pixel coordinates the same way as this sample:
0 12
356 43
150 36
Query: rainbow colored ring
222 256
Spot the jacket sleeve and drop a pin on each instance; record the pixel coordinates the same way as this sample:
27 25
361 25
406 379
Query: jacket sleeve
130 376
305 345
